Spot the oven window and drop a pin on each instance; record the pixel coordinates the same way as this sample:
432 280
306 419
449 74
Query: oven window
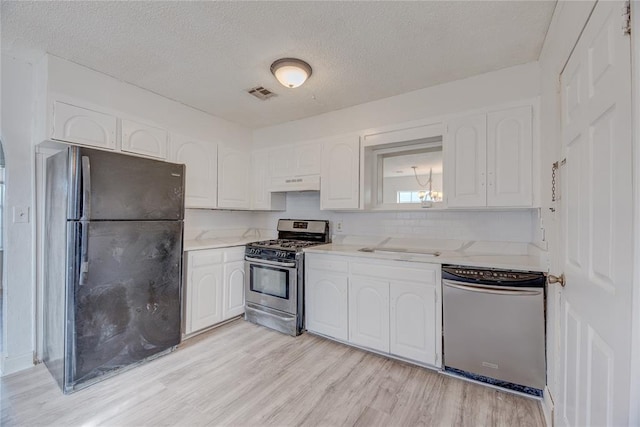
270 281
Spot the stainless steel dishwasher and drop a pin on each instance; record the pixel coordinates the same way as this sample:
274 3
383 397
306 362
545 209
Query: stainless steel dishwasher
494 326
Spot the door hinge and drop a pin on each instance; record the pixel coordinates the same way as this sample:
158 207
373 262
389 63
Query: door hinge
626 17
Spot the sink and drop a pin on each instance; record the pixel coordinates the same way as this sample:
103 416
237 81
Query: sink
400 251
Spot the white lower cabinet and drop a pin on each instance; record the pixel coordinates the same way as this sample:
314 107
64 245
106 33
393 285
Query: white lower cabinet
233 291
388 306
214 287
413 321
326 303
369 313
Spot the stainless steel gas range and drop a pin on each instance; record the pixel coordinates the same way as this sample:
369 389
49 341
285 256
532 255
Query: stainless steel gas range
274 279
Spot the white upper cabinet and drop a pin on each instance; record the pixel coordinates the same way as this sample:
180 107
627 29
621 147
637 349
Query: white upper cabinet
233 179
306 159
465 154
488 159
83 126
201 170
294 160
261 197
509 155
143 139
340 174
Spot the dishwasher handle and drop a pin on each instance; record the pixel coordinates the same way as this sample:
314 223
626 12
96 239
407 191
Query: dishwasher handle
494 290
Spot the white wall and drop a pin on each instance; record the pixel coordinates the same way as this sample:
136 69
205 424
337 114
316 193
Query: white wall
504 226
494 88
16 86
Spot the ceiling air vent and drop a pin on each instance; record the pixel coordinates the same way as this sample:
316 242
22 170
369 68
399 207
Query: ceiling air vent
261 93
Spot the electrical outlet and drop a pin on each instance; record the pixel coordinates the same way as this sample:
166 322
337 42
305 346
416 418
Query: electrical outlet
338 226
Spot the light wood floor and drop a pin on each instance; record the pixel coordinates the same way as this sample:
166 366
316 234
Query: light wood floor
242 374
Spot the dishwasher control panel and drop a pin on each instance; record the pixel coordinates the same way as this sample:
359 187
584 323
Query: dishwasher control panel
493 276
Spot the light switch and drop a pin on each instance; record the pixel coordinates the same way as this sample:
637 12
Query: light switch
20 214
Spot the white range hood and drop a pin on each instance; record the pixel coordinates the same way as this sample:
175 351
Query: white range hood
295 183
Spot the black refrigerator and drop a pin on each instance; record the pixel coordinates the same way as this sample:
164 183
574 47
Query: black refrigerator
113 263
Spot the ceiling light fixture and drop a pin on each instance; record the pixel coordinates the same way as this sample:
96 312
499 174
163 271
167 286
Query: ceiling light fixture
291 72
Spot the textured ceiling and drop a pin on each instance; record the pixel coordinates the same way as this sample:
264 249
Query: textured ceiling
207 54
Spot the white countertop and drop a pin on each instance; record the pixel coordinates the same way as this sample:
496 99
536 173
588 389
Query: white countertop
508 256
217 242
195 240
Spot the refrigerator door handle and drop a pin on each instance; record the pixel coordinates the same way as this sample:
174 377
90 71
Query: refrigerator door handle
86 188
84 253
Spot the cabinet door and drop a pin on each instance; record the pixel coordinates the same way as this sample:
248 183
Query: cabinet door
326 303
204 292
83 126
369 313
465 158
509 157
201 170
233 294
413 321
233 178
261 197
143 139
280 161
306 159
340 177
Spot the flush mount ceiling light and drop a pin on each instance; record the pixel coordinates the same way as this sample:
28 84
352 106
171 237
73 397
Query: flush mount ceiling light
291 72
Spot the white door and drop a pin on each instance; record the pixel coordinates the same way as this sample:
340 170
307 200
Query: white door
233 292
465 158
201 179
340 177
413 321
509 157
233 178
369 313
597 207
326 303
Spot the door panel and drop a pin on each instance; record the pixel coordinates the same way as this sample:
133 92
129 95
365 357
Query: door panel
369 313
327 304
509 157
413 321
200 160
127 302
233 289
340 179
466 161
131 188
597 209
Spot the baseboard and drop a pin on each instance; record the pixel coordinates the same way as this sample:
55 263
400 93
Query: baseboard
14 364
547 407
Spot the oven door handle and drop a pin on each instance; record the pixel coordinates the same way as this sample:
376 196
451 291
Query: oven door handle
495 290
274 263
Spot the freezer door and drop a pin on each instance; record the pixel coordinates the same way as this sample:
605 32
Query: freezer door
127 294
113 186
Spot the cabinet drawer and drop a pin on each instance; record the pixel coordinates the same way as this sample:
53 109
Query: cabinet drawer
329 263
234 254
206 257
404 271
